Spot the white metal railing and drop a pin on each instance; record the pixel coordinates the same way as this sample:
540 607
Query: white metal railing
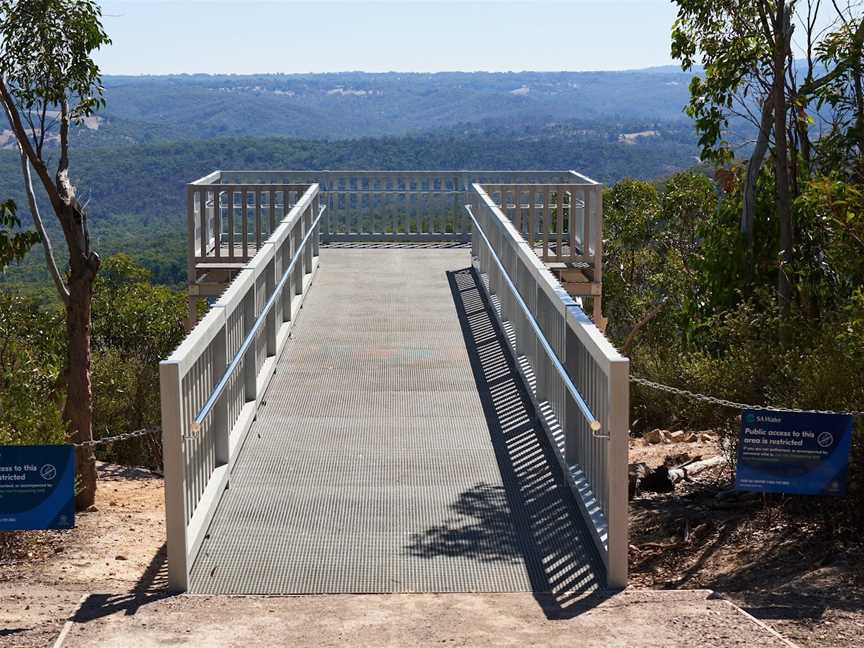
361 205
212 384
561 222
577 379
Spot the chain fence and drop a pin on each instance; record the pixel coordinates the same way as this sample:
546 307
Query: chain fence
723 402
644 382
117 437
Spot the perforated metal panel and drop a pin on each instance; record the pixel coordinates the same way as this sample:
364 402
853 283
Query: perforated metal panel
397 450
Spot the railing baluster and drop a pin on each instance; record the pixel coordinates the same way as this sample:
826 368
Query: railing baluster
217 223
559 217
547 216
231 207
245 215
257 195
205 239
586 226
272 212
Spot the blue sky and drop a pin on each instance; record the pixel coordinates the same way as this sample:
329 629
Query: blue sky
229 36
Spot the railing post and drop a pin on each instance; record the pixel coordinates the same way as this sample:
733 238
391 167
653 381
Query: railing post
316 239
297 277
597 232
287 292
175 479
192 236
307 252
572 415
618 429
250 361
221 430
270 326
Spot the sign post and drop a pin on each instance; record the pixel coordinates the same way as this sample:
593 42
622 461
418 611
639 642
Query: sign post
37 487
793 452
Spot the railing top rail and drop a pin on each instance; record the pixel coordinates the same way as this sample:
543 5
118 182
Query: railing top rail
252 186
188 351
585 179
210 178
234 176
531 185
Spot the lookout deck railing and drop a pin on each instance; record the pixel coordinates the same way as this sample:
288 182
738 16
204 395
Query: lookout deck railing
212 384
230 214
578 381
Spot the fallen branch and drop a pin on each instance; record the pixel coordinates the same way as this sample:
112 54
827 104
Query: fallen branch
688 470
631 337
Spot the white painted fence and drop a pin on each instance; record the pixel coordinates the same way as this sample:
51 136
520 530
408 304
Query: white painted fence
400 205
212 384
578 381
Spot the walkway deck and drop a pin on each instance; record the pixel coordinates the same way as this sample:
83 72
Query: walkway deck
397 450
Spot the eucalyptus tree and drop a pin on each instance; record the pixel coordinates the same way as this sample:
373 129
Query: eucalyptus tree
750 71
49 83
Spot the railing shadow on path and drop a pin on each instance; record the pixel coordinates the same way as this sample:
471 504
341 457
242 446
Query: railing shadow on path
532 517
151 587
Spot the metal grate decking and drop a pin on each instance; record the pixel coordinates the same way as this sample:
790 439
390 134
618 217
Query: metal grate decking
397 450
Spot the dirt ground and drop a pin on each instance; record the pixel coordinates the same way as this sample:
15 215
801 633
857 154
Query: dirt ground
784 573
43 579
110 569
634 618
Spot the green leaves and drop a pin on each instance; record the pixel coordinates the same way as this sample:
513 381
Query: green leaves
725 37
45 54
13 245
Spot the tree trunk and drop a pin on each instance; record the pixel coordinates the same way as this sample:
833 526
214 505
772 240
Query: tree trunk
781 156
78 412
748 214
859 114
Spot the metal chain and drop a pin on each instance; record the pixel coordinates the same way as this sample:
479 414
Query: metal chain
677 391
117 437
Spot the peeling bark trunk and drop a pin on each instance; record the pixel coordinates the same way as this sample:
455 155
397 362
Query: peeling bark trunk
748 215
781 158
78 411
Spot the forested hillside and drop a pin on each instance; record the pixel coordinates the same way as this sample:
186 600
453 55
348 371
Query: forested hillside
135 194
350 105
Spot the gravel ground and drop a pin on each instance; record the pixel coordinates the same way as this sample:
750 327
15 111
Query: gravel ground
633 618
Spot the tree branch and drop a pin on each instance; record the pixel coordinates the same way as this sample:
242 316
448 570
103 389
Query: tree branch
631 336
813 85
753 166
42 127
24 142
62 290
64 186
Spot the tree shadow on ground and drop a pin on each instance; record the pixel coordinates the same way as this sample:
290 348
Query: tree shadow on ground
151 587
532 516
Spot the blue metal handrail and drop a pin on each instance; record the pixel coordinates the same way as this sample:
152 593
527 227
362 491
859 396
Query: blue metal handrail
593 423
250 337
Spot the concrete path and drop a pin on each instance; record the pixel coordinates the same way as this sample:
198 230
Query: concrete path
635 618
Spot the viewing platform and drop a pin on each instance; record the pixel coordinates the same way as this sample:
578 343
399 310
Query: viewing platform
558 213
392 392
